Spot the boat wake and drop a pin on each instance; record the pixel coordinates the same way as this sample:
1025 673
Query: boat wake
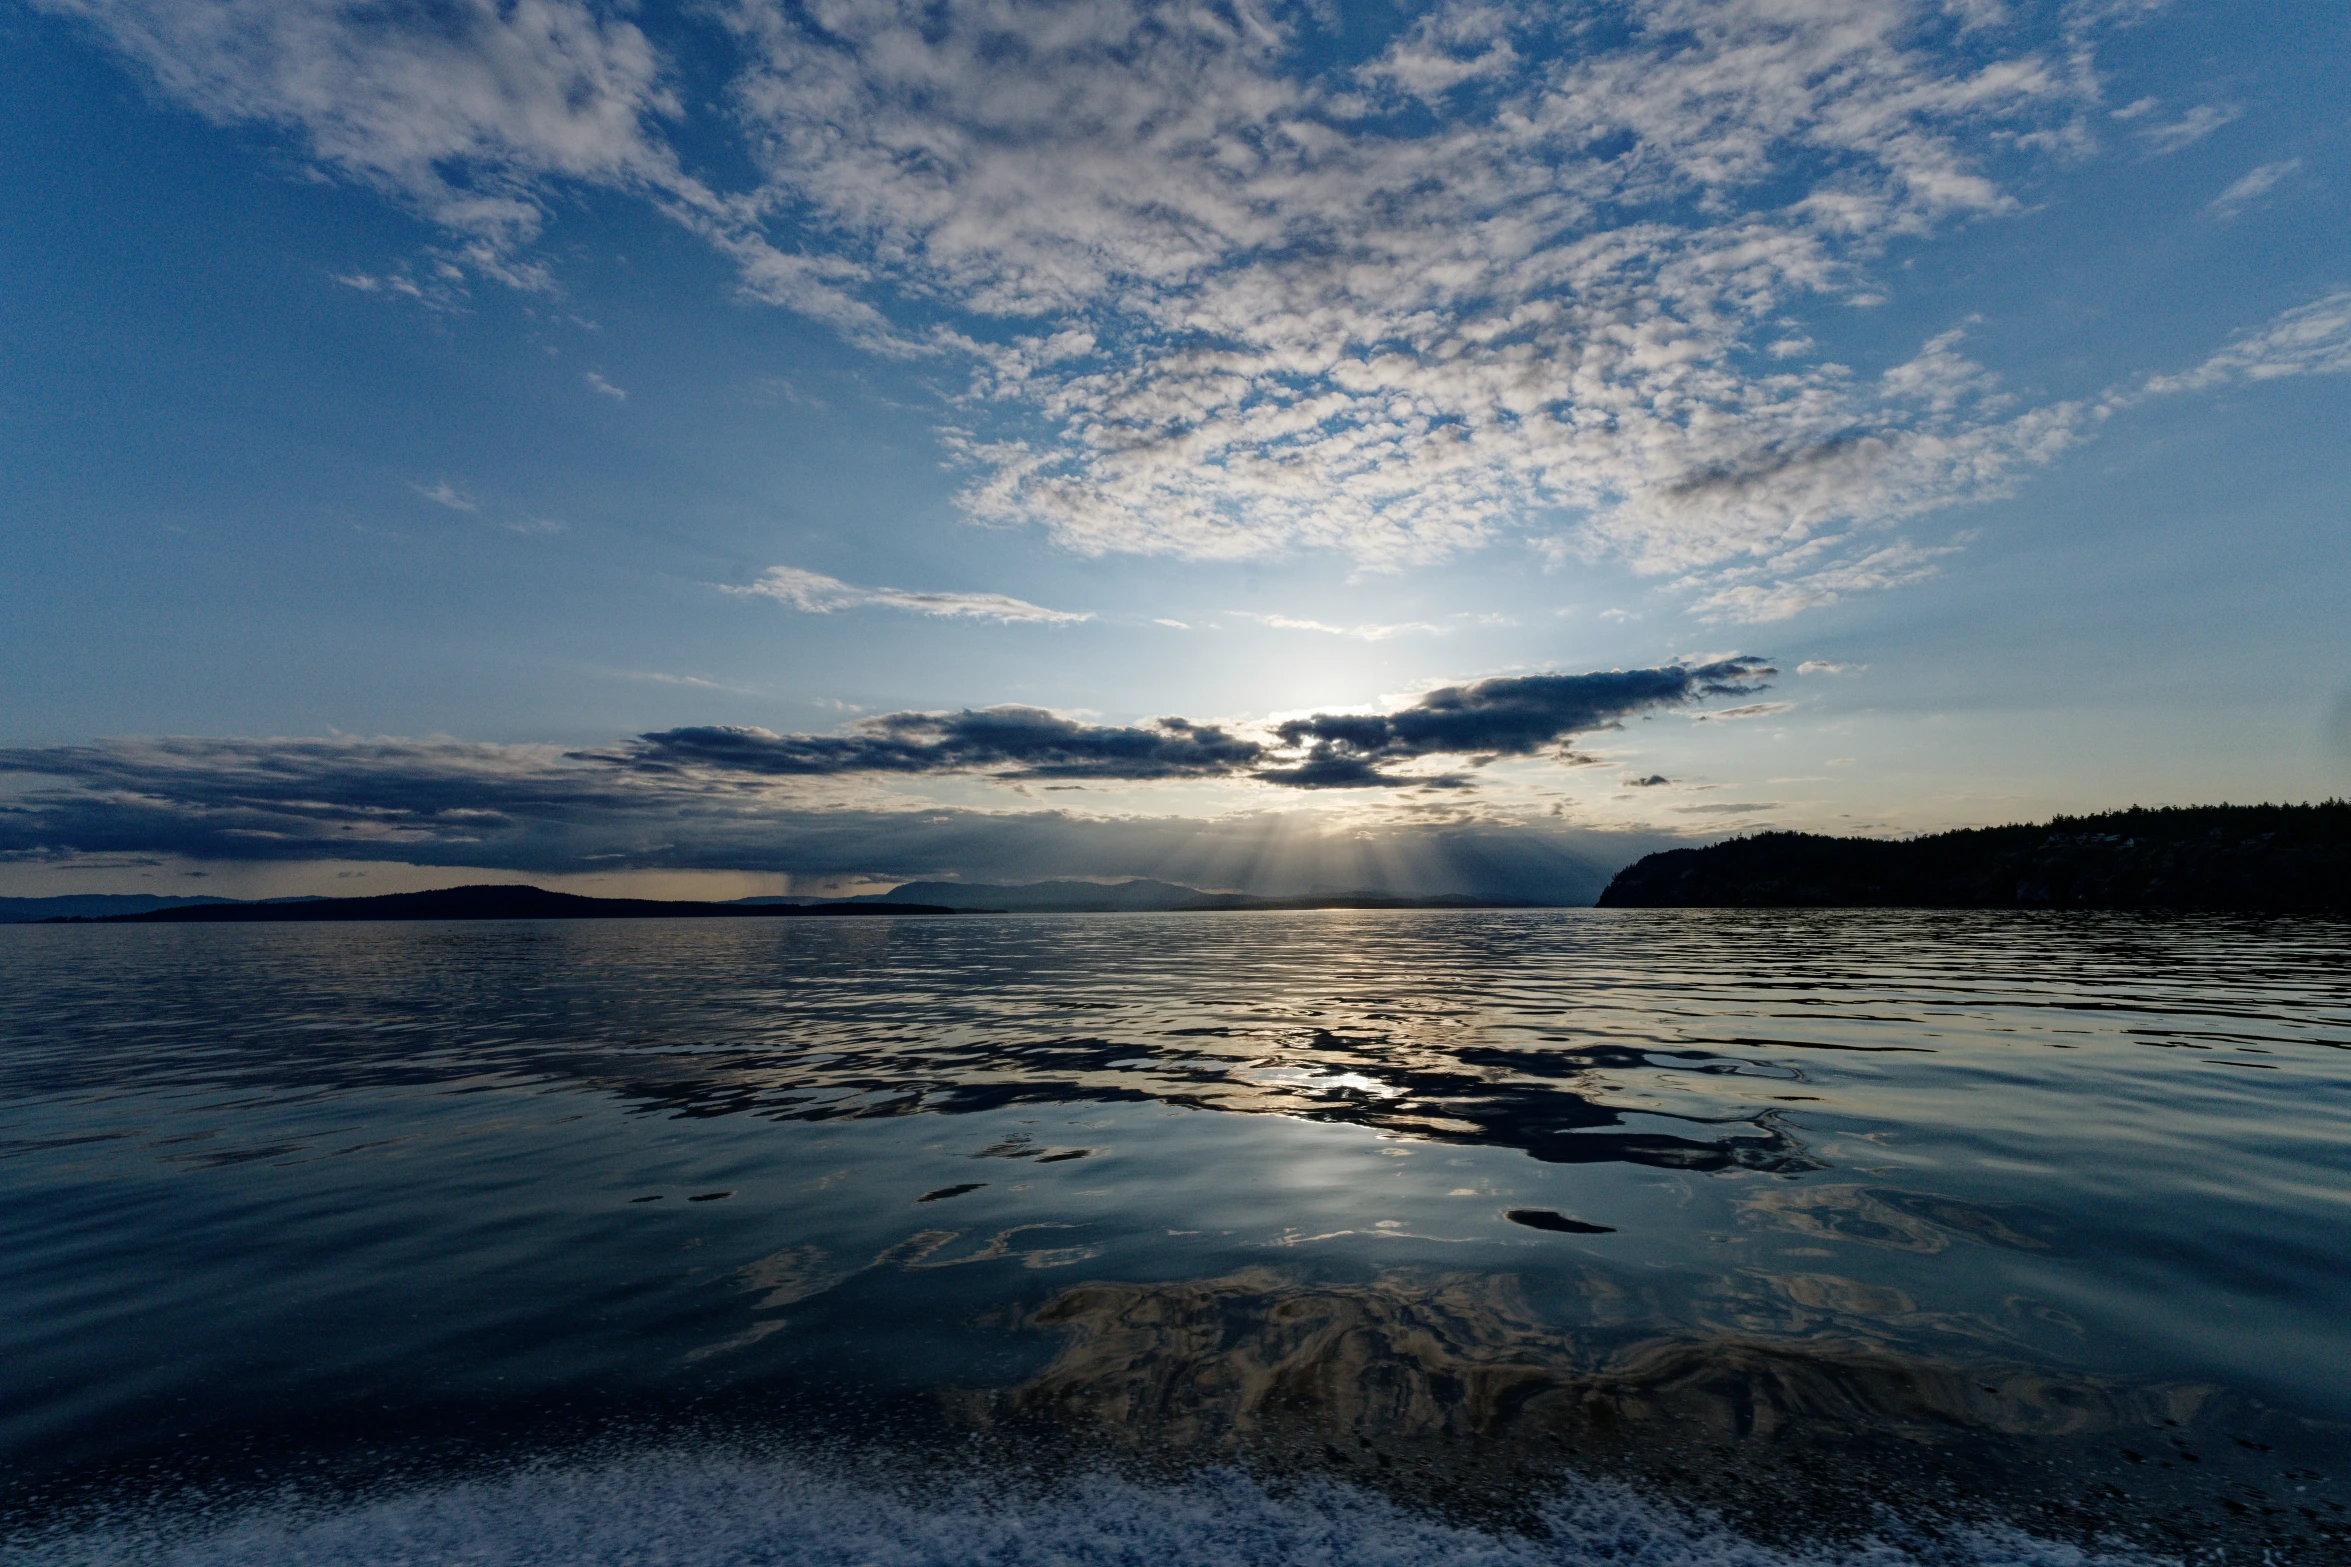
688 1509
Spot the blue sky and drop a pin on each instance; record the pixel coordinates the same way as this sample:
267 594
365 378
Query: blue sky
418 417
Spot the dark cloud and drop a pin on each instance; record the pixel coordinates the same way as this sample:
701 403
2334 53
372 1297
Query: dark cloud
1011 742
1756 473
1653 781
304 799
1515 716
1518 715
540 811
713 798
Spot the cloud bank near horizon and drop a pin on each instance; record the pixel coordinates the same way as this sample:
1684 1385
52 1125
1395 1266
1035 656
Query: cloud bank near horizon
535 810
1222 284
717 798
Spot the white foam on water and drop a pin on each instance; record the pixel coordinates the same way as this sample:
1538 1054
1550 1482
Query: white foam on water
682 1509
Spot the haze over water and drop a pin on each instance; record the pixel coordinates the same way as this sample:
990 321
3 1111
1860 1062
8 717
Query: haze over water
1837 1222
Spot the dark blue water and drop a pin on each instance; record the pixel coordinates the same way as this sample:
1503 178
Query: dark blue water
1330 1236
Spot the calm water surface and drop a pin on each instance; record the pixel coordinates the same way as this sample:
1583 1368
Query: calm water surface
1808 1217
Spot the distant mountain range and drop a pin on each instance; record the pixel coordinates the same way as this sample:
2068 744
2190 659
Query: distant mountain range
1136 896
2254 857
493 902
1142 896
2275 857
94 905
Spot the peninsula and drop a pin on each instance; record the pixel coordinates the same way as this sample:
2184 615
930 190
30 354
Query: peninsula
2253 857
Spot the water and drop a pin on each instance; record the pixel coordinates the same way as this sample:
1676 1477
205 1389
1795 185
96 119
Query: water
1332 1237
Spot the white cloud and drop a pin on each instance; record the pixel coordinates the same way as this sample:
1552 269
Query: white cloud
395 283
442 493
1366 633
2193 126
1556 304
816 594
1214 308
598 384
2312 339
1821 666
459 111
2255 184
655 677
1784 588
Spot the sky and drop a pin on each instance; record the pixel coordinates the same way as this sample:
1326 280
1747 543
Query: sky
748 447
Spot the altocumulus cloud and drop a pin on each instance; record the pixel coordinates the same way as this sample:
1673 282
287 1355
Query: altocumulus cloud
1224 288
1266 315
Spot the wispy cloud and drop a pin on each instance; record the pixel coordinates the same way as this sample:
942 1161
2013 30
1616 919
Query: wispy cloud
2190 128
1777 589
656 677
2253 185
461 113
389 283
1363 633
2312 339
816 594
597 384
1750 710
442 493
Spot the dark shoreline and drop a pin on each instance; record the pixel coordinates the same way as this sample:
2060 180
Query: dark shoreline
2245 858
494 902
505 902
